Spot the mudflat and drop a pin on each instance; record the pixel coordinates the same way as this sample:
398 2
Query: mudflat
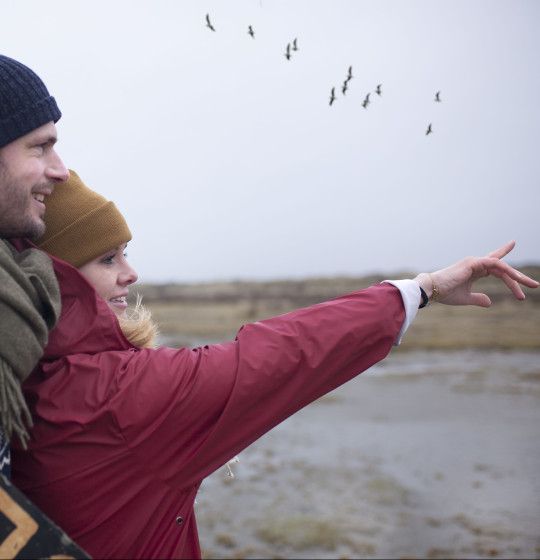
429 454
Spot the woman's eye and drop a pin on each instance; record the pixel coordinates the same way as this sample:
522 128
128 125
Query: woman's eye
108 260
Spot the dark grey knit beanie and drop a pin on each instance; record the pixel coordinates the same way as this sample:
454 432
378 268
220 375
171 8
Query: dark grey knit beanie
25 103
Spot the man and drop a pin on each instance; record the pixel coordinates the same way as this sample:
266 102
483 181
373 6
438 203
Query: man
29 293
29 296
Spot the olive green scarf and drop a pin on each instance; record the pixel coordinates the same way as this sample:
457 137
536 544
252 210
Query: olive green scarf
29 308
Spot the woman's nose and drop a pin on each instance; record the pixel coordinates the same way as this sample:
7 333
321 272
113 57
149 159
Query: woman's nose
128 276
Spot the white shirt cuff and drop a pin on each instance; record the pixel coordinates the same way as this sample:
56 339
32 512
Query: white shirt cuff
410 293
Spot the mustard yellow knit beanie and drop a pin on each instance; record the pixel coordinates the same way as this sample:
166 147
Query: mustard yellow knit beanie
81 224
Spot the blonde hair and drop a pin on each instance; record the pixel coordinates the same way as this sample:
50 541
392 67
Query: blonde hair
138 326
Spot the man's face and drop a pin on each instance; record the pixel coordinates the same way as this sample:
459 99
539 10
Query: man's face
29 170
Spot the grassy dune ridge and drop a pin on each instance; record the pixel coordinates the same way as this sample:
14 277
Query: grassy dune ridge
193 313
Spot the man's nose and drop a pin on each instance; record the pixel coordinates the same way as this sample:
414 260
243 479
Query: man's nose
56 170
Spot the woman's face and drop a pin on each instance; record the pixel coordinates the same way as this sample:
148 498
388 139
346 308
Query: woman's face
111 274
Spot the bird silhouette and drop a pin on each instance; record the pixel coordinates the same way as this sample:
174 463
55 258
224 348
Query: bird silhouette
344 87
438 97
349 74
365 103
429 129
378 90
288 52
208 24
294 45
332 95
251 32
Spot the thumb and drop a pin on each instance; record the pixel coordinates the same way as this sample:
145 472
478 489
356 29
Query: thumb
480 300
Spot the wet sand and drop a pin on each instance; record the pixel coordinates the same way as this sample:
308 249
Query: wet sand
426 455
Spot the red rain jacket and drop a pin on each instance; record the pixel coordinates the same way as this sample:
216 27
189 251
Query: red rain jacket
123 436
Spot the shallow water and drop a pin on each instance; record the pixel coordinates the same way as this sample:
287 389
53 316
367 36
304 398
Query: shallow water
428 454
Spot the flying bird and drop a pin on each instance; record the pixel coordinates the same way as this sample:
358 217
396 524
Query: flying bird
429 129
365 103
438 97
344 87
349 74
251 32
378 90
294 45
208 24
288 52
332 95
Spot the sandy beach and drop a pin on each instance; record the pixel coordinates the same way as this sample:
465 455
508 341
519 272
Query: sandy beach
426 455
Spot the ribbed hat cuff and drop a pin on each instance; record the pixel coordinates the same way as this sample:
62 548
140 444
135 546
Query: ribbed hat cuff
89 237
32 117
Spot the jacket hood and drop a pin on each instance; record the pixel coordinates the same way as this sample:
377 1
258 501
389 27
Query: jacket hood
86 325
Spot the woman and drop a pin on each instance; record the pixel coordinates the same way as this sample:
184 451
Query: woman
89 232
124 435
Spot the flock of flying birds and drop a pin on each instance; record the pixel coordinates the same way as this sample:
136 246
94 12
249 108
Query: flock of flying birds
293 46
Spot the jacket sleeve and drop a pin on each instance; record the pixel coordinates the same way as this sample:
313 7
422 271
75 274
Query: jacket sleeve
186 412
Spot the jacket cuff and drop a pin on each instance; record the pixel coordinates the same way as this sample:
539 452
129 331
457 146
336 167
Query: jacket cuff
410 294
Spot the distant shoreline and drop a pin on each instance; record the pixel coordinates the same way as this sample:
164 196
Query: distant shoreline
215 311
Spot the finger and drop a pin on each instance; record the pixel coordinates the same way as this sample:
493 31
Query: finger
519 276
514 287
498 268
502 251
480 300
523 278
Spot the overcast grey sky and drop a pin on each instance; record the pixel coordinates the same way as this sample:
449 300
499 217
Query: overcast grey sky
228 161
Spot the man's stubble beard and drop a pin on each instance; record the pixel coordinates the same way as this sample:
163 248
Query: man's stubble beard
16 219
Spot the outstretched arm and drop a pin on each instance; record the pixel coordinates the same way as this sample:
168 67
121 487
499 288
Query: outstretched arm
453 285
